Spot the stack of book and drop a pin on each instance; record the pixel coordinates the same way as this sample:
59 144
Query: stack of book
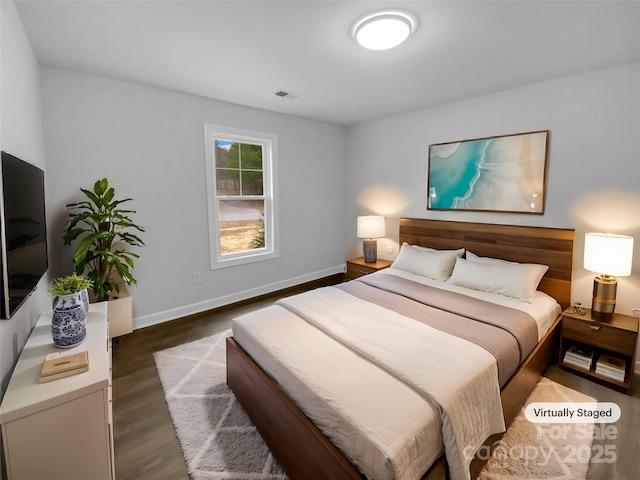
57 366
612 367
579 356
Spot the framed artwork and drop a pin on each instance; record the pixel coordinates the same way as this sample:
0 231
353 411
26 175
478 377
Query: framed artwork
506 173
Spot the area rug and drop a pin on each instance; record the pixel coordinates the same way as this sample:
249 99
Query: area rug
535 451
219 441
217 438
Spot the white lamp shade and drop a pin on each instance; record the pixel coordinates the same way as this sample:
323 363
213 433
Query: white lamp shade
608 254
370 226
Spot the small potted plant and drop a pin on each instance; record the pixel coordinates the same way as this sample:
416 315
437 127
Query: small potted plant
70 309
69 285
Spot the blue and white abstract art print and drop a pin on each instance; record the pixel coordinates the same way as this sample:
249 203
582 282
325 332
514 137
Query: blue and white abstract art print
499 174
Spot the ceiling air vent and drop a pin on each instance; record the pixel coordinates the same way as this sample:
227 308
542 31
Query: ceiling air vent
285 94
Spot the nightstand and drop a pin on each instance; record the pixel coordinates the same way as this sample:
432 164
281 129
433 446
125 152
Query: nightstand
617 339
357 267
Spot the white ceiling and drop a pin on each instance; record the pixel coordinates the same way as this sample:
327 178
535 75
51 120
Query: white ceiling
245 51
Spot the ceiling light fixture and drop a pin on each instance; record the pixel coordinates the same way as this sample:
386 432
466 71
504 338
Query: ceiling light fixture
384 30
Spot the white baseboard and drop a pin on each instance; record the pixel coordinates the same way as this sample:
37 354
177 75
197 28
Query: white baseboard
174 313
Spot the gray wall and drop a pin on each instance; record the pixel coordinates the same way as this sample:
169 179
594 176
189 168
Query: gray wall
150 144
20 135
593 164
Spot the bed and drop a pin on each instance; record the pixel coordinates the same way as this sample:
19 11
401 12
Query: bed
277 376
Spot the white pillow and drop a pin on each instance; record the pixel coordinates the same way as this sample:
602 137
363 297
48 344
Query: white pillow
428 262
537 268
472 257
511 279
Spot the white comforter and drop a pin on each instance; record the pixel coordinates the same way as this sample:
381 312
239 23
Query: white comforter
459 378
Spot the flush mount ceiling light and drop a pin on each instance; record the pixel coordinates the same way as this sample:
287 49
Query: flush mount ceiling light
384 30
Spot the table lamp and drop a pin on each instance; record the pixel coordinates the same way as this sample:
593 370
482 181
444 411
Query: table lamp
608 255
369 228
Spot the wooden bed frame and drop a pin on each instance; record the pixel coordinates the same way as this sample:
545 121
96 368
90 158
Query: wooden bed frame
302 449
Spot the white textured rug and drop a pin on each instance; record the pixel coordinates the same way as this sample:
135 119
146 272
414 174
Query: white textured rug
217 438
531 451
219 441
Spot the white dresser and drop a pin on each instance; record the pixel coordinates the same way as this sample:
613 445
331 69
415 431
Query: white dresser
61 429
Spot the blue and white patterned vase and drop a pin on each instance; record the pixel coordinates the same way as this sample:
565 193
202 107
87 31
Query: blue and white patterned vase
69 322
85 301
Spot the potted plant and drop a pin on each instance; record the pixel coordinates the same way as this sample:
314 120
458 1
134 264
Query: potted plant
70 309
69 285
105 232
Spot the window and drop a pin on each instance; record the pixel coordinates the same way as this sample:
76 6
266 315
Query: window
241 167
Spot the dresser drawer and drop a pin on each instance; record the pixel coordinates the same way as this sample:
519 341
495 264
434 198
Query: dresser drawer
600 335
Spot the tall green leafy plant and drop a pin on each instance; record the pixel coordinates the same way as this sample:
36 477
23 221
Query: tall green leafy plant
104 232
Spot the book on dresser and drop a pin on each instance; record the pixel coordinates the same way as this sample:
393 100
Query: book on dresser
58 365
612 367
579 356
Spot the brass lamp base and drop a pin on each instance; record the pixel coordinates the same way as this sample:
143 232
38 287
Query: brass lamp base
370 249
603 303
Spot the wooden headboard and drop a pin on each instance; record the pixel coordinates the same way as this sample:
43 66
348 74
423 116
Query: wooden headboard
543 245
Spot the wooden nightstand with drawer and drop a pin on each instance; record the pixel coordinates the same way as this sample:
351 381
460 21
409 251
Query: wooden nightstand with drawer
357 267
616 340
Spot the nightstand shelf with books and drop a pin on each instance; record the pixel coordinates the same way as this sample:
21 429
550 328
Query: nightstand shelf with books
605 351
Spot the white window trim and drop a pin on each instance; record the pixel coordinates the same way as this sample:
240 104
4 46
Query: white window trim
270 169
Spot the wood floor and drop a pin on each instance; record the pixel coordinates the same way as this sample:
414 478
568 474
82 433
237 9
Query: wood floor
146 447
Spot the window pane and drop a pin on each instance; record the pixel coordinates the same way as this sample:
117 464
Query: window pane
223 159
241 225
252 182
250 156
227 181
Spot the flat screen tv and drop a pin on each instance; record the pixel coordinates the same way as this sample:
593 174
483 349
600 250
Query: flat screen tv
23 232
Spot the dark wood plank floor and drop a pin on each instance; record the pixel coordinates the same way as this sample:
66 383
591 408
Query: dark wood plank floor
146 446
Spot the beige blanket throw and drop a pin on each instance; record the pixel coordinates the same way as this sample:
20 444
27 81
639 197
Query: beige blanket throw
510 335
457 377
